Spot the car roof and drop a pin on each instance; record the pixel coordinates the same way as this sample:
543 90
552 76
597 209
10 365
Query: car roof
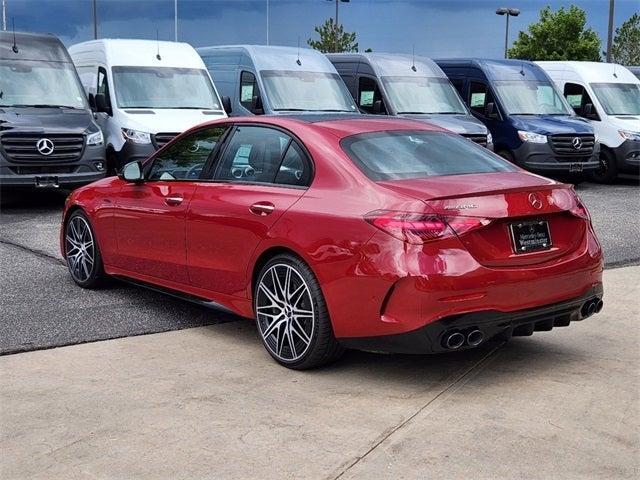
394 64
593 72
338 125
498 69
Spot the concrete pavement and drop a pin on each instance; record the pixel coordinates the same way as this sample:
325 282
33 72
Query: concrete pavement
209 403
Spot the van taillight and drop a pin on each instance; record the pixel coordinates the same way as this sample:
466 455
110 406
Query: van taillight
418 228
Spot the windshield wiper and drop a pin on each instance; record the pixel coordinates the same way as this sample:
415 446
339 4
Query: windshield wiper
331 110
290 110
42 105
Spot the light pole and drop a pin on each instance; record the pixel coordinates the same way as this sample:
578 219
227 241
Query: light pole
509 12
175 20
4 15
267 22
95 20
335 26
610 31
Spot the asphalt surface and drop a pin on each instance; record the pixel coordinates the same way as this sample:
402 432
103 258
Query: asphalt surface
42 308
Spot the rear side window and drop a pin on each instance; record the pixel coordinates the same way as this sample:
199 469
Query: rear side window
419 154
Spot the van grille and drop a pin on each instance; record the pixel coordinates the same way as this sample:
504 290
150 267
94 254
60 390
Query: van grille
479 139
161 139
21 147
564 144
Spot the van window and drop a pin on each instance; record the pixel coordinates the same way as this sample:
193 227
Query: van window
103 85
248 89
527 97
618 98
395 155
368 93
479 96
26 83
423 95
577 97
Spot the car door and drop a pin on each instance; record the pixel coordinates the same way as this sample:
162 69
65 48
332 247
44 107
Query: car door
260 173
150 216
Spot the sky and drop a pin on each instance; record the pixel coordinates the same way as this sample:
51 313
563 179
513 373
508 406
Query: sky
433 28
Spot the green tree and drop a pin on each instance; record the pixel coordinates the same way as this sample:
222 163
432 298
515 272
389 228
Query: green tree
333 39
626 43
559 35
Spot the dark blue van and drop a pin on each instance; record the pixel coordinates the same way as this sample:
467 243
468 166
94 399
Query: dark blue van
531 123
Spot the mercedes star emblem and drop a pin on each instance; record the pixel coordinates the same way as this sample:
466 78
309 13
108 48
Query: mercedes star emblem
45 146
535 201
577 143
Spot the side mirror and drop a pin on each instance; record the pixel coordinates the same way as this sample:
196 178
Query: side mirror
378 107
92 102
589 112
490 110
226 105
101 104
132 172
256 105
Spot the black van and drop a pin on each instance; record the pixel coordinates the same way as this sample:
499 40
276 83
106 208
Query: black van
48 136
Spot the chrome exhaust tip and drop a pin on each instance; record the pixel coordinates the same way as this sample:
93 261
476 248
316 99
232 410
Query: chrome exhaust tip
475 338
599 306
454 340
589 308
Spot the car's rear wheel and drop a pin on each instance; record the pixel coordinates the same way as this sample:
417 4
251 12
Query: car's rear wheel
292 316
607 172
82 252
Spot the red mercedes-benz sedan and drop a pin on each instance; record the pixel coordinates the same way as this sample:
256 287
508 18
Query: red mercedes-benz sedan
333 232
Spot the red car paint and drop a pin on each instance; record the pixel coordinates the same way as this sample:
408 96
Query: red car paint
374 283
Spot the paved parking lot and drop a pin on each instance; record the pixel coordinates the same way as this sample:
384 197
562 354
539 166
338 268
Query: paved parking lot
41 308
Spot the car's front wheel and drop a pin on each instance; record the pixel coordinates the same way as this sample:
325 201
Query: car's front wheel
607 172
82 252
292 316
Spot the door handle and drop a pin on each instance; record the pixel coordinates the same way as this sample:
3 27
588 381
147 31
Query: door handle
173 201
262 208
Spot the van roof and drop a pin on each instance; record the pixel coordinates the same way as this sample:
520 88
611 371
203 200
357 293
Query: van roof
594 72
394 64
268 57
42 47
499 69
141 53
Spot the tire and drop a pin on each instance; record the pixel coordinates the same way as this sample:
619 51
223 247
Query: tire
82 252
291 315
608 170
112 163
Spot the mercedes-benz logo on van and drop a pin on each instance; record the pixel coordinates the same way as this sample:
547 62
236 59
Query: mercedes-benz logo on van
535 201
577 143
45 146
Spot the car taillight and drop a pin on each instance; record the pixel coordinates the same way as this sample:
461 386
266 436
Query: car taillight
580 210
418 228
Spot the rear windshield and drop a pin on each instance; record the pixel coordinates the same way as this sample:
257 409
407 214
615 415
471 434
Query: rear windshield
419 154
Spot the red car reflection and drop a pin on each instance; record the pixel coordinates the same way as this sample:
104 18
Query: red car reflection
334 232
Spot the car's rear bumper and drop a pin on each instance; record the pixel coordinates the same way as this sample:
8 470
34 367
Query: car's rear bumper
431 338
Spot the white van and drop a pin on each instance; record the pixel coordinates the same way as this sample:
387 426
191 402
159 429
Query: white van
144 93
609 95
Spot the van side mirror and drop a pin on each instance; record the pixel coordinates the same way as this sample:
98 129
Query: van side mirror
101 104
226 105
490 110
132 172
589 112
256 105
378 107
92 102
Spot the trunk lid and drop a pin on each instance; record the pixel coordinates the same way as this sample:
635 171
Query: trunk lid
503 199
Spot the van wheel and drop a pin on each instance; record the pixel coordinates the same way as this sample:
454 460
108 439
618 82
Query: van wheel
607 172
112 163
291 315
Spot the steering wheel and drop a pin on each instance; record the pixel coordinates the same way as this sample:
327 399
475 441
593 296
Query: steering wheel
194 172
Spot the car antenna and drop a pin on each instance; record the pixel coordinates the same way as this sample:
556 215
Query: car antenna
522 67
15 45
158 46
614 71
298 60
413 58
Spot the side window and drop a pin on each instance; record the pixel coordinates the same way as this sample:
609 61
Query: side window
479 96
577 97
295 169
103 85
368 94
186 159
260 154
458 83
248 89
